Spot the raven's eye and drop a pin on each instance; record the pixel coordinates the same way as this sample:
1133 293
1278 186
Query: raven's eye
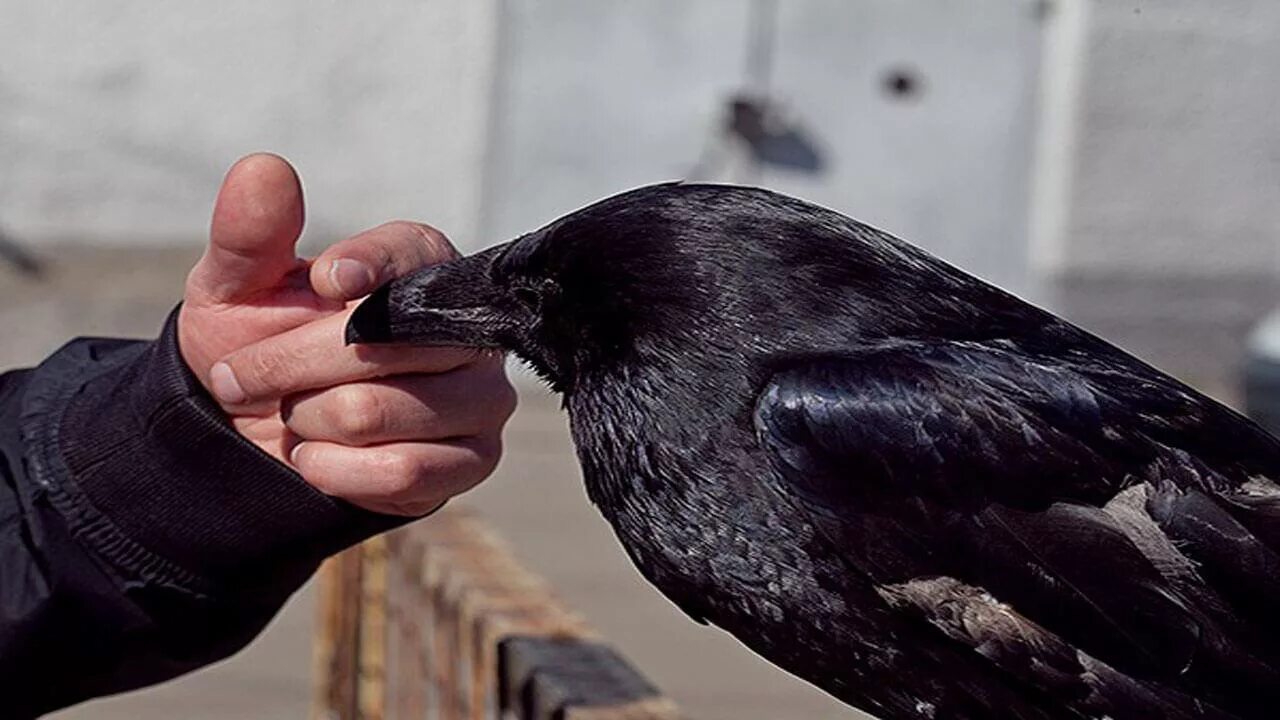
528 296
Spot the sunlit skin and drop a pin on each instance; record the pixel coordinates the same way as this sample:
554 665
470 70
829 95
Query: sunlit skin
390 429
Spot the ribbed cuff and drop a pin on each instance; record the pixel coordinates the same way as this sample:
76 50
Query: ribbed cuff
157 480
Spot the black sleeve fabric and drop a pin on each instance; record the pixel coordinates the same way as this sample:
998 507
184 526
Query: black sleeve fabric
141 537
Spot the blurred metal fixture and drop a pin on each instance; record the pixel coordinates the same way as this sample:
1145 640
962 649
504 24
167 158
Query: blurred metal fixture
1262 374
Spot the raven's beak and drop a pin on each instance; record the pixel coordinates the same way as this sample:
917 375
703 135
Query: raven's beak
455 303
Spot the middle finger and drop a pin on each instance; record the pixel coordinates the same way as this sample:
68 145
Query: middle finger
399 409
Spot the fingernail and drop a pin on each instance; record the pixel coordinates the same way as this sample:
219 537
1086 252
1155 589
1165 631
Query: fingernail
225 386
352 277
293 454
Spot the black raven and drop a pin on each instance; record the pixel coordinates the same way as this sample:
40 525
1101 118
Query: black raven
896 481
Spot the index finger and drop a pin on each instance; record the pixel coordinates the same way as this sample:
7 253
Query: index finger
353 267
314 356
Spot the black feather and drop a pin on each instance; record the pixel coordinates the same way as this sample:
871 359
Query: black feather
902 484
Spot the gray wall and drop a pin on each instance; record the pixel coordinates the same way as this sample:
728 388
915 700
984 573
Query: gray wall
596 98
117 119
949 169
1178 156
1149 193
1171 244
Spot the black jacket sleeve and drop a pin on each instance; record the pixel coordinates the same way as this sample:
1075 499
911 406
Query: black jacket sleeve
140 536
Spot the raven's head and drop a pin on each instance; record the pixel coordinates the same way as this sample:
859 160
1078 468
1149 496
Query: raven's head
671 273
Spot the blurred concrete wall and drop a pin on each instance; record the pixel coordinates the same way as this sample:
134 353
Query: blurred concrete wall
1115 159
1178 150
1170 243
596 98
117 119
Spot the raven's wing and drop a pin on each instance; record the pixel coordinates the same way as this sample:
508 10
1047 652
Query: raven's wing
1061 520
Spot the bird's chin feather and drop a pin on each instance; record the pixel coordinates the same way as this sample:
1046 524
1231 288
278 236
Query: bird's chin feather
548 371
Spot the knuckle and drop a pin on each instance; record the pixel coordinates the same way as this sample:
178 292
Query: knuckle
403 476
504 401
485 453
488 447
488 394
357 412
430 480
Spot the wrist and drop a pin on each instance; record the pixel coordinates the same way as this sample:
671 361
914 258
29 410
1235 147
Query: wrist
139 451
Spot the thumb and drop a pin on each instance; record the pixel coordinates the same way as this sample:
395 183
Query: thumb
256 222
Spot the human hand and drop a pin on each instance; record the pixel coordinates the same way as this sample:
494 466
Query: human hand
391 429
